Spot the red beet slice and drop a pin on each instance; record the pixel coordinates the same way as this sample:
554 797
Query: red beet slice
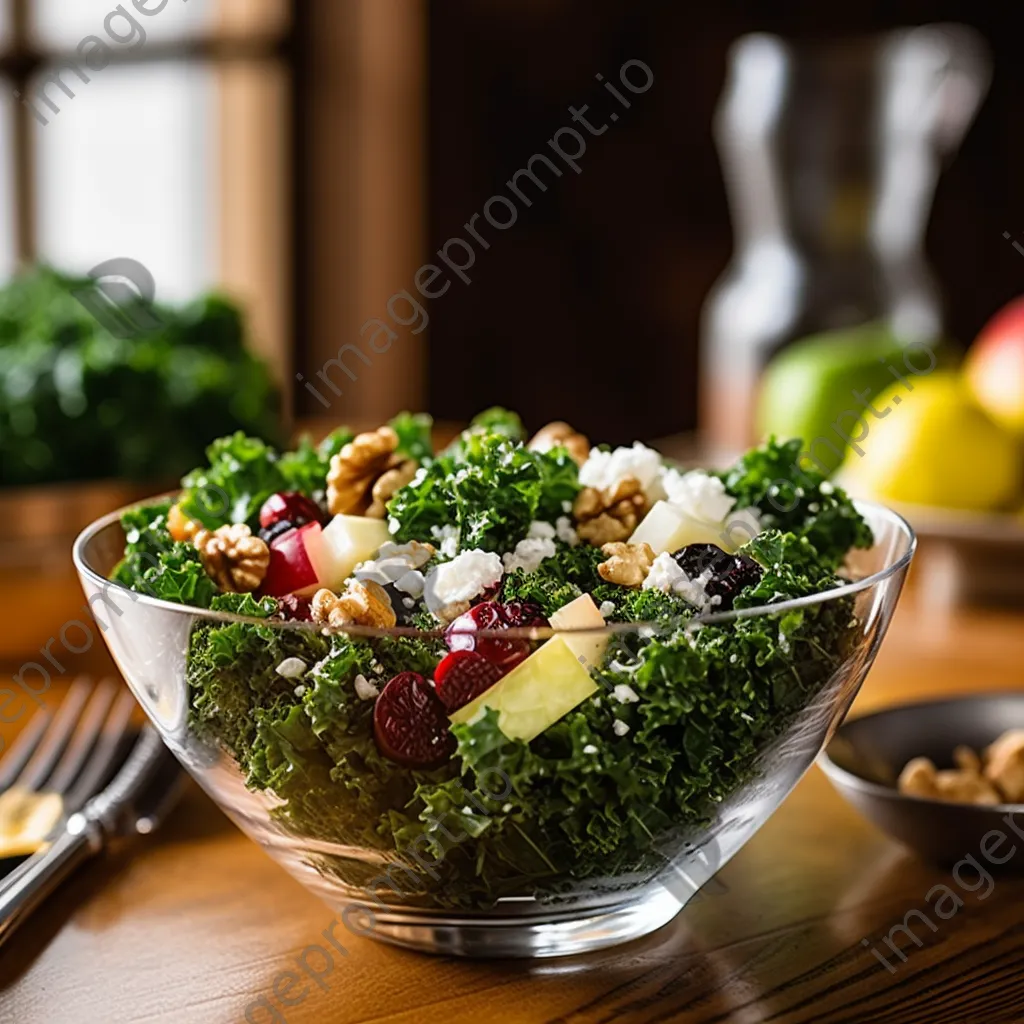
462 676
523 613
410 724
295 608
461 636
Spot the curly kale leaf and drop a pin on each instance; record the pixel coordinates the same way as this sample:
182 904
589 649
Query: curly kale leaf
491 489
414 435
305 469
797 499
493 422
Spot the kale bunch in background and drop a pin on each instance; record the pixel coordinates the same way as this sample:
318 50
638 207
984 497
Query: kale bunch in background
797 499
488 485
79 403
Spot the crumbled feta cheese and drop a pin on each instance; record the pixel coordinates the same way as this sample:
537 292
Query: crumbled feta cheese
666 575
463 578
409 602
506 808
625 694
826 487
411 583
619 727
814 507
291 668
607 608
699 495
418 477
590 749
606 469
393 525
540 531
299 690
447 537
529 554
365 690
565 532
566 507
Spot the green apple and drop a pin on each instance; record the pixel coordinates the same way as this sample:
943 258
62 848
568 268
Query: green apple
344 543
809 390
668 528
536 693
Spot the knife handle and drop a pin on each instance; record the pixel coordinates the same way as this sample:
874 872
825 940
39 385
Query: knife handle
30 883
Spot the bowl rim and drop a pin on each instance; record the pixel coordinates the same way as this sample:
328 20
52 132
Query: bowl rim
899 564
840 776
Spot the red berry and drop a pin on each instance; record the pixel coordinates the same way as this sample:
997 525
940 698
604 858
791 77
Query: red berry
295 608
462 676
410 724
290 505
461 636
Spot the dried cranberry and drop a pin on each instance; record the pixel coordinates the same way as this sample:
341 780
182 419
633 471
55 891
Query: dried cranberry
410 724
461 635
462 676
290 505
727 575
268 534
521 614
295 608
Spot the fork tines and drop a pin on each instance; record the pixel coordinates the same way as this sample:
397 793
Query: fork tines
74 750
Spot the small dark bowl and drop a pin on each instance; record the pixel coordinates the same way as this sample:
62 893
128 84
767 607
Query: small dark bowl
867 754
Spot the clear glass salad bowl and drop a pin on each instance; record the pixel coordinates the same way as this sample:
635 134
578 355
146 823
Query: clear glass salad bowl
434 903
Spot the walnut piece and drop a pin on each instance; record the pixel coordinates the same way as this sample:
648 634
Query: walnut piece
603 517
354 470
388 483
627 565
1004 765
363 603
918 778
560 434
180 527
233 558
963 785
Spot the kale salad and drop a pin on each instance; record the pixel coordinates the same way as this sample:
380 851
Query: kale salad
408 671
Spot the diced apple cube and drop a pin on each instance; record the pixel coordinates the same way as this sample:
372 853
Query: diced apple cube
668 528
344 543
582 614
536 693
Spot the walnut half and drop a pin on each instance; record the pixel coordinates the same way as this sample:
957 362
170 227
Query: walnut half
627 565
363 603
358 467
603 517
233 558
560 434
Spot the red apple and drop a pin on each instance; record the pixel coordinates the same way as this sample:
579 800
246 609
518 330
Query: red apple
291 569
994 368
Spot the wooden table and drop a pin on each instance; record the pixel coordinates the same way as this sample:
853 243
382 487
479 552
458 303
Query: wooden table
199 924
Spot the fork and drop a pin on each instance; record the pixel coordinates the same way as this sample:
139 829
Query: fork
60 760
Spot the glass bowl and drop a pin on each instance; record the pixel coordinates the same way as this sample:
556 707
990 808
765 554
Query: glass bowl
552 888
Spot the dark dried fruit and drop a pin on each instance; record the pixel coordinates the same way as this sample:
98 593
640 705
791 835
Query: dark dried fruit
404 613
462 676
521 614
461 635
295 608
296 508
268 534
725 575
410 724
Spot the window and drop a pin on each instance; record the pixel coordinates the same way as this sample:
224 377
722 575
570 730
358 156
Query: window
157 130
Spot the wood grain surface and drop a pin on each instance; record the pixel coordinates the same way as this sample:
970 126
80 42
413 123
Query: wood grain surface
195 924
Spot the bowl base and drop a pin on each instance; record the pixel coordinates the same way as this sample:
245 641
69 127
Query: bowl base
528 935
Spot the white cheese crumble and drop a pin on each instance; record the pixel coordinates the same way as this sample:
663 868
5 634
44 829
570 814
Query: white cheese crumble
529 554
447 537
566 507
299 690
619 727
590 749
666 575
607 608
291 668
697 494
826 487
606 469
365 690
463 578
540 531
625 694
408 602
411 583
565 532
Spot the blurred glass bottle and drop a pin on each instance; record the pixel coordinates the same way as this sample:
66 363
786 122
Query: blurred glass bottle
831 154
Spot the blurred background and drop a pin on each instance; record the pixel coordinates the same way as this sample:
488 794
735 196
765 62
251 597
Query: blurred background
282 168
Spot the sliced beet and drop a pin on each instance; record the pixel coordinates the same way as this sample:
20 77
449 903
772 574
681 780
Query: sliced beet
521 614
410 723
461 635
462 676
